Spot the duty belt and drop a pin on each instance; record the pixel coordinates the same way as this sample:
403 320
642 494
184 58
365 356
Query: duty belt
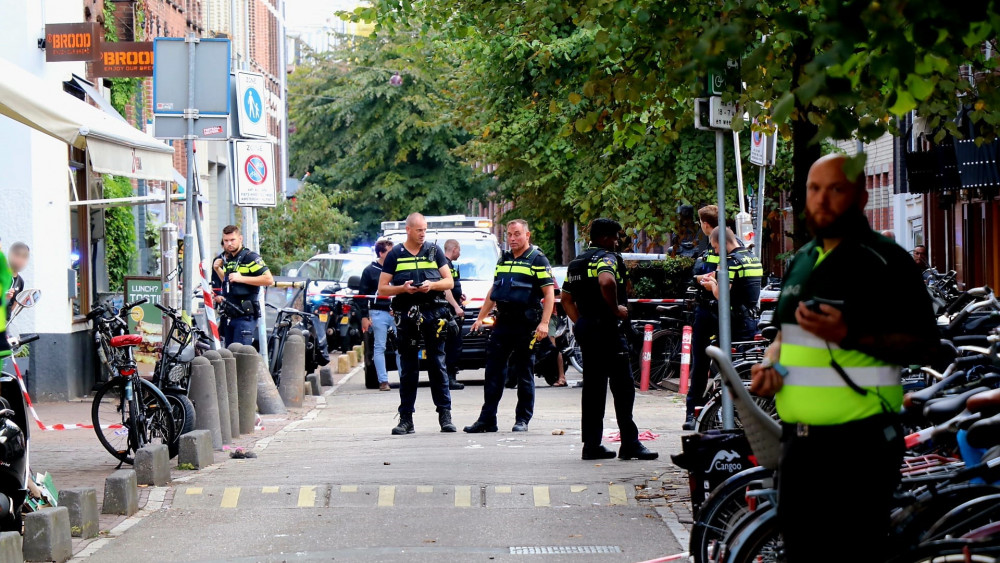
887 422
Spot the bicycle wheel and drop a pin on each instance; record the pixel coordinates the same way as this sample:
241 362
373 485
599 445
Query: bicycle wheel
720 512
710 417
182 411
112 421
576 356
911 522
157 421
756 539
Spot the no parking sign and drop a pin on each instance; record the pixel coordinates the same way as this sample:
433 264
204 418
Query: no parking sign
255 171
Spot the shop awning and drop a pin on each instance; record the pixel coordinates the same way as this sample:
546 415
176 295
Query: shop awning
114 146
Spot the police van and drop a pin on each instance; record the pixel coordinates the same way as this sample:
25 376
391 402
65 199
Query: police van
480 251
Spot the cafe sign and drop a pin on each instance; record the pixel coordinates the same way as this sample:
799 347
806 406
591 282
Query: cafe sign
71 42
124 59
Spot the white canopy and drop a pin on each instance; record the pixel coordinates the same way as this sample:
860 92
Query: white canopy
114 146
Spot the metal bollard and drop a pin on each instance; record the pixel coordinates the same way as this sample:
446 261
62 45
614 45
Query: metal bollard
222 394
247 363
293 371
232 390
202 393
268 399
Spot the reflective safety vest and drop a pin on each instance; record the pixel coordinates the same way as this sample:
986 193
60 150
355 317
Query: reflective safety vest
246 263
518 281
424 266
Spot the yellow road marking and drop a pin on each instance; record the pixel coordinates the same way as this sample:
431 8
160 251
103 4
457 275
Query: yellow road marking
348 488
463 497
230 497
193 491
425 489
618 496
500 489
386 495
269 490
307 496
577 488
541 496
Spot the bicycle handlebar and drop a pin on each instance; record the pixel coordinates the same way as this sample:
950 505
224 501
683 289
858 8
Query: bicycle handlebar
24 339
129 306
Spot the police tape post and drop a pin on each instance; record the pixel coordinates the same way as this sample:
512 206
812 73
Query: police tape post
647 358
685 359
208 295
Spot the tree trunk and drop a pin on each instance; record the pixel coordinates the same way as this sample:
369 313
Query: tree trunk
568 243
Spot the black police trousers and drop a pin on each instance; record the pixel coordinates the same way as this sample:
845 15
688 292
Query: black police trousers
706 326
605 364
509 348
829 510
408 334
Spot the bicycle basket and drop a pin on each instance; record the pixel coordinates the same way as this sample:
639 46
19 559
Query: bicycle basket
762 431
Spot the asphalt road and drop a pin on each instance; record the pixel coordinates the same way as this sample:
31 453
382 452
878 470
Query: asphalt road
337 486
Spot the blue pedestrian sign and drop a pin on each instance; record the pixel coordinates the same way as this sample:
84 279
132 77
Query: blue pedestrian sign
252 105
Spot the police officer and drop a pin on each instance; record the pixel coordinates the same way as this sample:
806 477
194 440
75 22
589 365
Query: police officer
706 320
745 273
375 314
594 298
524 295
243 271
840 348
416 275
455 298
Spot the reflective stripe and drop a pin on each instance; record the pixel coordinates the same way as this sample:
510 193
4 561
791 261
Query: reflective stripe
825 376
711 258
505 268
416 265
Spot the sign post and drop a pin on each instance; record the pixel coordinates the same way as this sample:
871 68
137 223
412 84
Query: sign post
763 153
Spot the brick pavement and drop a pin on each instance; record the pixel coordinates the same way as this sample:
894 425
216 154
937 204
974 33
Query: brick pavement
75 458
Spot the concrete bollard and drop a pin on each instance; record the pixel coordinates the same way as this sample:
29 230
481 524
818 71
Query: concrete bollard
307 389
84 520
121 493
235 347
343 364
359 352
312 382
206 402
152 465
248 363
326 376
268 399
353 358
295 331
293 371
47 535
222 394
10 546
196 449
232 391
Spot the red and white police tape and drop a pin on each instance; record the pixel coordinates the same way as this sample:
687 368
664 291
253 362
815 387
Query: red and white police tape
360 296
208 296
34 413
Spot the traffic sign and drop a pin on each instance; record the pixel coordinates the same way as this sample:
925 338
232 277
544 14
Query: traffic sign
720 114
211 76
250 91
762 148
255 186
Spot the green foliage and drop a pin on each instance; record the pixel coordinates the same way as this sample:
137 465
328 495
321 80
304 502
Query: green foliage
119 226
661 279
123 90
382 151
299 228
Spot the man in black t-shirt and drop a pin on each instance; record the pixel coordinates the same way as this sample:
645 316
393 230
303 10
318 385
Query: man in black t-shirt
455 298
416 275
375 313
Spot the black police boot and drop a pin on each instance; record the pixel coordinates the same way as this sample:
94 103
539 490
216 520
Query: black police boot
478 427
689 420
454 384
444 419
520 426
597 452
405 425
636 451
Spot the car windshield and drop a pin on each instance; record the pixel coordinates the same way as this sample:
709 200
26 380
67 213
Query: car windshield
332 269
478 260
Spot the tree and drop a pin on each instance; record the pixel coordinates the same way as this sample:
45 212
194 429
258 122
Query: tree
384 151
119 228
301 227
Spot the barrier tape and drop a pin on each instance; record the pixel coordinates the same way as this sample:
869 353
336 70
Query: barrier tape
38 421
677 557
207 295
384 297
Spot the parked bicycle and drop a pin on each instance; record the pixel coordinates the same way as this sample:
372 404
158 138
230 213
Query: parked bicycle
128 412
172 373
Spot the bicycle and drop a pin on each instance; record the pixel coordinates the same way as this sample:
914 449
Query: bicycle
128 412
172 373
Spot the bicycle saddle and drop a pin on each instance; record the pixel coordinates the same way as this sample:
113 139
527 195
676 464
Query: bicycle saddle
987 403
940 410
769 333
918 399
985 433
671 310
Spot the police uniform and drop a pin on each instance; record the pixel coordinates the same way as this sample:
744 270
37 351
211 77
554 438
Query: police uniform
745 273
705 326
242 307
837 399
453 348
605 349
517 292
420 314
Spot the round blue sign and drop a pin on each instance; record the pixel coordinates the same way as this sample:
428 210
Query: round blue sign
252 105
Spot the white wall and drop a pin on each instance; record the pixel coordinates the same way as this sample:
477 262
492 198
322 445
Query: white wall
34 193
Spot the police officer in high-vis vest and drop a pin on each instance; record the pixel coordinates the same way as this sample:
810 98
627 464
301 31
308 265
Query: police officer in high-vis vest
594 298
416 275
745 273
706 319
243 272
524 295
852 310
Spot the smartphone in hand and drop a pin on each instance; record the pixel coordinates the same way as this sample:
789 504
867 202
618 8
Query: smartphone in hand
814 303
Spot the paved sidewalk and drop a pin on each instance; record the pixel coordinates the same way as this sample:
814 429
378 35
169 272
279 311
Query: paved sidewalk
75 458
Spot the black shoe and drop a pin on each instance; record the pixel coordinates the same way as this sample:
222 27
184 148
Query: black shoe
520 426
444 419
597 452
637 451
689 423
454 384
405 425
478 427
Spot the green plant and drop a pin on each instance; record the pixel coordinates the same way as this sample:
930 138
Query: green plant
660 279
119 232
186 467
299 228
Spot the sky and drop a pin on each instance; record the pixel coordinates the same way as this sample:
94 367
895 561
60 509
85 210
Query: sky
306 15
